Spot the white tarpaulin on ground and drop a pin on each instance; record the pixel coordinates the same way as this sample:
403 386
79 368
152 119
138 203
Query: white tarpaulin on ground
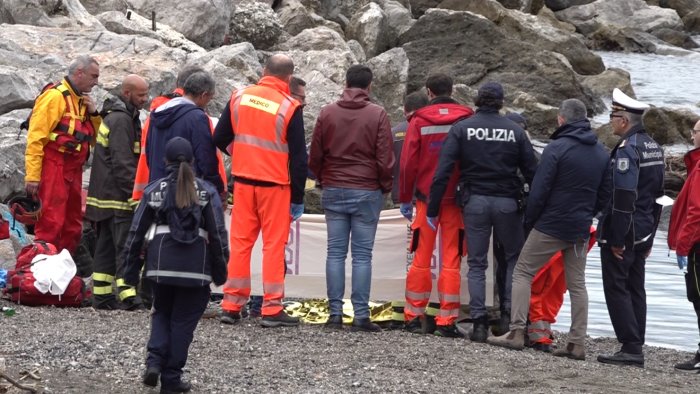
305 256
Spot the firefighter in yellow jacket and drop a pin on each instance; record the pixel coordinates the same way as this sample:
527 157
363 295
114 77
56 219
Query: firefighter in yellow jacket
61 129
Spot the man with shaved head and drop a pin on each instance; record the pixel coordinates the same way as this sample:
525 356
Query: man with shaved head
262 128
109 194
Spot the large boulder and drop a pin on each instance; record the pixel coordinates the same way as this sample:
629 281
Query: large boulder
682 7
669 126
12 146
25 12
255 22
635 14
603 84
474 50
398 17
390 71
18 87
613 38
133 23
296 17
558 5
370 27
418 7
202 21
692 21
675 38
527 6
99 6
536 30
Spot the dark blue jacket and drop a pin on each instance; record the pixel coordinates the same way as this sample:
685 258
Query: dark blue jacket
197 261
571 184
180 118
490 149
637 170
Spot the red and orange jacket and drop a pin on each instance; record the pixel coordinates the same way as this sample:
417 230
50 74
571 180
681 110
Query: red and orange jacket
426 133
684 228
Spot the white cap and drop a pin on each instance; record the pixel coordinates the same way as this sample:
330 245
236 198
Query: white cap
623 102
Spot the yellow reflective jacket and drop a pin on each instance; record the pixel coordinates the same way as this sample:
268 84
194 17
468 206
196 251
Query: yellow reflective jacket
46 115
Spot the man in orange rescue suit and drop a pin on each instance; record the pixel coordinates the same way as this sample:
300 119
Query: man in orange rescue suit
262 127
419 157
61 129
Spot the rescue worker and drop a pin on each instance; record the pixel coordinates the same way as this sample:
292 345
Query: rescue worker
263 126
109 194
627 227
142 172
411 104
426 133
186 251
352 158
185 117
490 149
61 129
570 187
684 234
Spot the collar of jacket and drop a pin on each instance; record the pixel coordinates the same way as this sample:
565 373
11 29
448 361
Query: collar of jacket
692 159
634 130
274 83
569 127
442 100
71 88
487 110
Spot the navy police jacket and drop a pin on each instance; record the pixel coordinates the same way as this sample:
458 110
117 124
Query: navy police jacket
490 149
571 184
200 260
637 169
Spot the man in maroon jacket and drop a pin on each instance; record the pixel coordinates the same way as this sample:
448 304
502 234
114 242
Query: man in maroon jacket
352 158
427 130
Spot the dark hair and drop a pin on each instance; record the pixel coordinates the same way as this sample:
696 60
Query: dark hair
572 110
439 84
358 76
295 82
415 101
185 73
488 102
185 194
199 83
279 66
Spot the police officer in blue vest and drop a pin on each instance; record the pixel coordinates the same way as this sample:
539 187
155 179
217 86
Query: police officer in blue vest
626 229
181 217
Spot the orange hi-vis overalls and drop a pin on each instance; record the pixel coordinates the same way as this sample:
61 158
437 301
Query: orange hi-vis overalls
142 171
260 115
58 143
547 297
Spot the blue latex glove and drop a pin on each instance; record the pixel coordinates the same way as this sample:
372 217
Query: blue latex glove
406 209
296 210
682 261
432 222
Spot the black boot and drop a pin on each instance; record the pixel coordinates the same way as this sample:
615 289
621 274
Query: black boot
481 329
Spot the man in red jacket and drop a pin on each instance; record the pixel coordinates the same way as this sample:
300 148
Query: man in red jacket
684 234
426 132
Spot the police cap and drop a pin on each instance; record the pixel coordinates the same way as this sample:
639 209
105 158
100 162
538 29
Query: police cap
623 102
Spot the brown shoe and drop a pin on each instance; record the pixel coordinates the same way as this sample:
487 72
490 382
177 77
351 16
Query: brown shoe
514 339
572 351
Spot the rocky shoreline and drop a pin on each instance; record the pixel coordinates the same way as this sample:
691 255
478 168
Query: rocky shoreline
84 350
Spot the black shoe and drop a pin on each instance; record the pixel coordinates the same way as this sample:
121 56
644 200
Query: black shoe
450 331
182 387
280 319
365 325
133 304
481 330
415 326
622 358
541 347
230 317
691 365
335 322
150 377
109 304
504 322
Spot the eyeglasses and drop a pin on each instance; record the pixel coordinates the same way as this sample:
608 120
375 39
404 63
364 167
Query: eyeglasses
694 131
612 116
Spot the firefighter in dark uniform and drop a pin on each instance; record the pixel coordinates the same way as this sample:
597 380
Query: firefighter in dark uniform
627 227
490 150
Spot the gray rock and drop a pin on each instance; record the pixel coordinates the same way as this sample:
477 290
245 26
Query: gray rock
295 17
317 38
390 71
669 126
357 50
255 22
418 7
675 37
398 17
12 147
558 5
370 27
635 14
692 22
682 7
536 30
202 21
18 88
25 12
612 38
603 84
99 6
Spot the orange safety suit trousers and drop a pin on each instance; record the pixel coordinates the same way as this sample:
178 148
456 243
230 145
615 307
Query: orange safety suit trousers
419 281
255 209
61 219
547 297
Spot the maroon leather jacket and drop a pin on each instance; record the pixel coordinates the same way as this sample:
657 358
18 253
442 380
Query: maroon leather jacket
352 144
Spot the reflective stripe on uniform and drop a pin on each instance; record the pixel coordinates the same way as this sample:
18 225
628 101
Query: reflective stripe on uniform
448 297
165 229
101 290
440 129
102 277
108 204
417 296
178 274
124 294
103 135
448 312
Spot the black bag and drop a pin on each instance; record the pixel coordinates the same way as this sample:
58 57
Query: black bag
692 279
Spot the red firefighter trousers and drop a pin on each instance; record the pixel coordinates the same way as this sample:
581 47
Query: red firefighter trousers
419 279
255 209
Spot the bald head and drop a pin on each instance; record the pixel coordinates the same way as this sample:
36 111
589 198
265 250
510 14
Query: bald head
135 90
280 66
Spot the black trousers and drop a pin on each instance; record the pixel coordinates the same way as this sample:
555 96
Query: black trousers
692 282
176 313
108 262
625 296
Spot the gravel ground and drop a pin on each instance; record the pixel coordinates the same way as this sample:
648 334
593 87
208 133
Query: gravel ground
89 351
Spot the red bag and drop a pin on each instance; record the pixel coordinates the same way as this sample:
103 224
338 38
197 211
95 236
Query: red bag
20 282
4 228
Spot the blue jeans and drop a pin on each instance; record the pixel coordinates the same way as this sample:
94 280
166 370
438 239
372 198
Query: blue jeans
481 215
351 215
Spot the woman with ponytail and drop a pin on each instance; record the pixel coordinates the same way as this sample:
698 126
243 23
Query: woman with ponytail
180 221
